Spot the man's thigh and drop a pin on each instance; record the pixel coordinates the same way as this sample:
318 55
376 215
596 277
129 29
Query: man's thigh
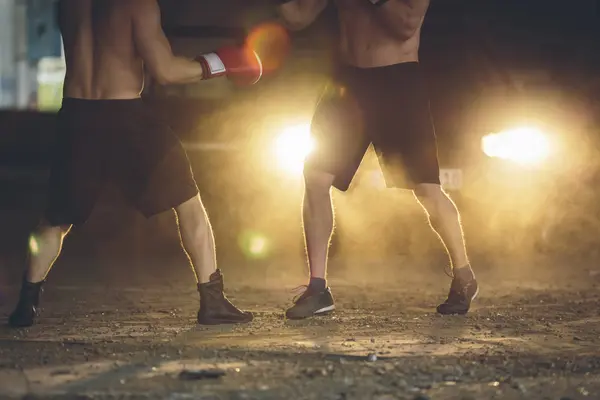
77 173
338 129
405 138
151 167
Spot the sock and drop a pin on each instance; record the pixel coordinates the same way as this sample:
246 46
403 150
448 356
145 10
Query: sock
465 273
317 284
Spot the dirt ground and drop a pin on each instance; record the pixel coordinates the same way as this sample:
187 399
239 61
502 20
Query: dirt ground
523 340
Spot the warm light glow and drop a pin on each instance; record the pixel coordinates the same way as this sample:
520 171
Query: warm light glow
34 247
524 145
257 246
292 147
271 41
254 244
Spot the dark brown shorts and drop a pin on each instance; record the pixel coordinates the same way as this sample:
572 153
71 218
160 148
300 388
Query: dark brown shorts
119 142
386 106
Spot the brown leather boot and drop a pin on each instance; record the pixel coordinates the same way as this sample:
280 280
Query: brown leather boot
215 309
28 306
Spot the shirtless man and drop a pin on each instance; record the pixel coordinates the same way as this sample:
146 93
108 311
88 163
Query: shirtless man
378 96
106 133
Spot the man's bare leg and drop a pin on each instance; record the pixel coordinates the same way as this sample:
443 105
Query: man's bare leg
317 217
197 238
317 213
198 243
44 248
445 221
45 245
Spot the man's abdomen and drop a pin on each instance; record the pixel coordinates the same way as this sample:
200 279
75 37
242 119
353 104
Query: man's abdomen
365 44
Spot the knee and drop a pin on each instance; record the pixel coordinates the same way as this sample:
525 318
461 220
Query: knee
317 185
434 199
46 229
429 193
192 214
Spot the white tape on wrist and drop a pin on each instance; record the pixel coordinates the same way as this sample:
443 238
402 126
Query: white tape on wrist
215 64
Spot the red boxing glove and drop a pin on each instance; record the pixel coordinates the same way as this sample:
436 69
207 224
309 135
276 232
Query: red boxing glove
240 65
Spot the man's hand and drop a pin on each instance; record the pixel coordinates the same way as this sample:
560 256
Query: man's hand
298 14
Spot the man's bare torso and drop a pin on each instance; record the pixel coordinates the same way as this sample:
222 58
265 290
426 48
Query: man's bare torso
102 62
367 42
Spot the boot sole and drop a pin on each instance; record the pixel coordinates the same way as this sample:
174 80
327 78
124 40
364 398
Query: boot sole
20 323
17 326
214 323
319 313
224 322
325 310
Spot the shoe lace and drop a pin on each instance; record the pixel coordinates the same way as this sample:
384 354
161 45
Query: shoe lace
459 290
449 271
299 291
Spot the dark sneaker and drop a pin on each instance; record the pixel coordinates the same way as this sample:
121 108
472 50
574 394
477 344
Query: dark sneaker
28 306
462 293
311 303
215 308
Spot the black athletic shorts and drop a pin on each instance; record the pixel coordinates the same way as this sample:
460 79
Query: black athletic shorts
120 142
387 106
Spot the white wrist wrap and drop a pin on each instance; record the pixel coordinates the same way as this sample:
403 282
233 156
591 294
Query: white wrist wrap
214 63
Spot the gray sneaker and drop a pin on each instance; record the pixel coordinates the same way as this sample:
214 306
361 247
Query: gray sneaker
310 304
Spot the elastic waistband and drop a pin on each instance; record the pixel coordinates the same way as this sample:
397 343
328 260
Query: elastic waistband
345 72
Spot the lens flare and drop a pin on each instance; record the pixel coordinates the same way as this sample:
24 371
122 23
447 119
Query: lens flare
523 145
34 247
272 43
257 245
254 245
292 147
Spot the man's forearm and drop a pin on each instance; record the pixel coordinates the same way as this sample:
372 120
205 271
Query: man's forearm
180 71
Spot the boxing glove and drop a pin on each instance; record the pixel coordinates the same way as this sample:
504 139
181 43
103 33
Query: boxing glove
241 65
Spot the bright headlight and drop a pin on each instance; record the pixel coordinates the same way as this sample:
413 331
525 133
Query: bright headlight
292 147
523 145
